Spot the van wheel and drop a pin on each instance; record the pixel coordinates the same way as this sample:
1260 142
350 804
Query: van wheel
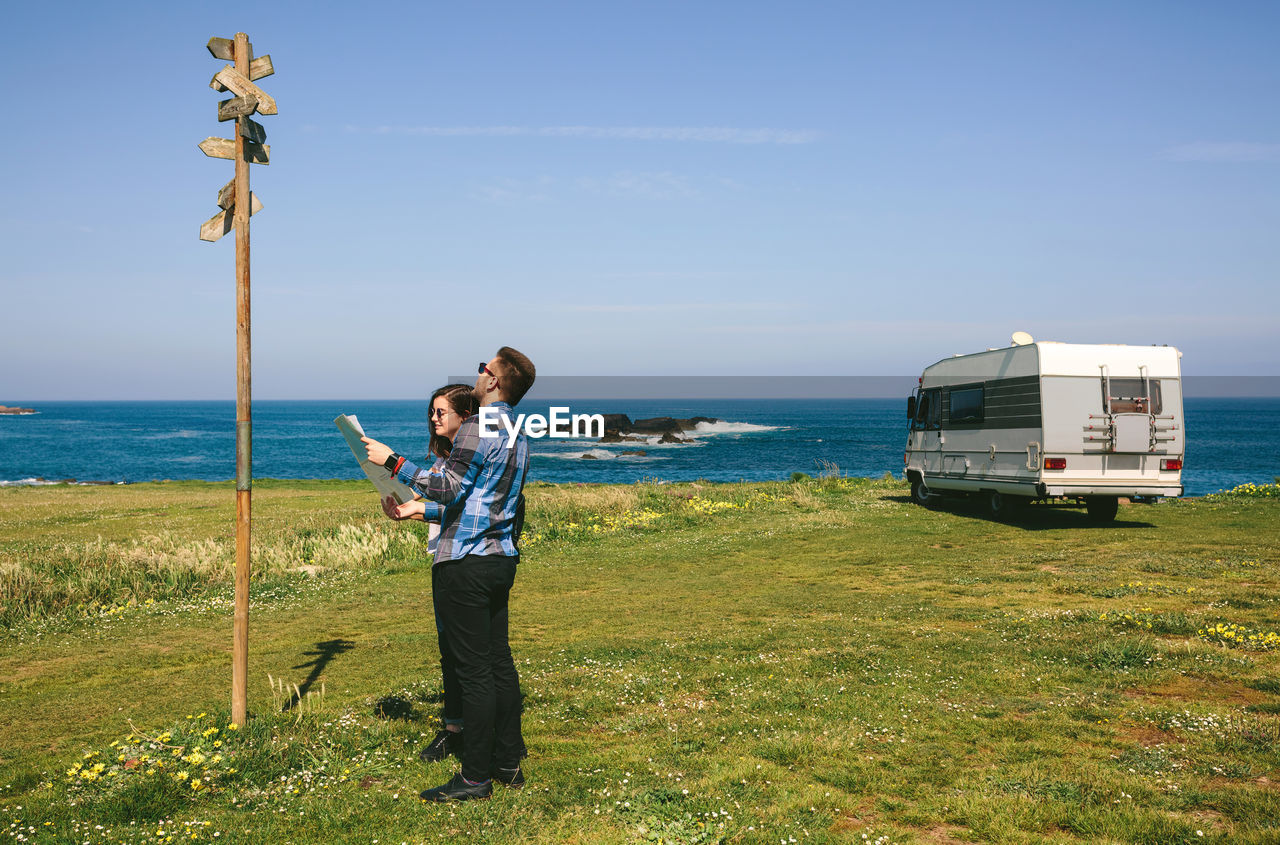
1101 509
920 493
1002 506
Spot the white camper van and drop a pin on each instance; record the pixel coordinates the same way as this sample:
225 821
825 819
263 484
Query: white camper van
1040 420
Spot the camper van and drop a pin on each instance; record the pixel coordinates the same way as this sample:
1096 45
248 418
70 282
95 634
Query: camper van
1046 420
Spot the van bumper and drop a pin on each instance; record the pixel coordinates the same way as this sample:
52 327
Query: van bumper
1102 488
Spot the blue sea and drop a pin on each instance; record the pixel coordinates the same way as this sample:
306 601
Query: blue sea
1230 441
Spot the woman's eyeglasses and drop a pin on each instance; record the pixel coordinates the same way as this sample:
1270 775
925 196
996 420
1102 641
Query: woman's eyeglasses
438 413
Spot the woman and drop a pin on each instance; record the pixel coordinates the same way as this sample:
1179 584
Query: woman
449 406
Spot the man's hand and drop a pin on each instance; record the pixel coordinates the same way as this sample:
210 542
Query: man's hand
406 511
378 452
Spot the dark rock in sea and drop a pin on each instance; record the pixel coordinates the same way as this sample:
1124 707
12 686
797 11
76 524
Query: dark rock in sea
5 409
616 422
617 427
590 457
656 425
692 423
640 452
668 437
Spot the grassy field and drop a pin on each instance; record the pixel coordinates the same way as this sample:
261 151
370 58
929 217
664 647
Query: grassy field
817 661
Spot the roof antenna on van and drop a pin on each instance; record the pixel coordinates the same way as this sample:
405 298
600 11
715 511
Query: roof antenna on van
1021 339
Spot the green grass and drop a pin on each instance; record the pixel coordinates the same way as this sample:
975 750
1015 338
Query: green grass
814 660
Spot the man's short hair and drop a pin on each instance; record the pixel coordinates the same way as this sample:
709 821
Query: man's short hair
516 377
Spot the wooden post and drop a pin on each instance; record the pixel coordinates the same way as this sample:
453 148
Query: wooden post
244 424
238 203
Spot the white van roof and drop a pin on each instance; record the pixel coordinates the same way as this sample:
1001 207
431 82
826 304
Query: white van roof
1051 358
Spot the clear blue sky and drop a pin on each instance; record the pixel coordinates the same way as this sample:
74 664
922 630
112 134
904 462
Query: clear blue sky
637 188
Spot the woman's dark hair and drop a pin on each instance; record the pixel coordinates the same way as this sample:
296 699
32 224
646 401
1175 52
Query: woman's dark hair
462 401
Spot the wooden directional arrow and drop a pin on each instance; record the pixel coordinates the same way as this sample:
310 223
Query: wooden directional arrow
235 82
227 195
223 48
226 148
258 68
252 131
224 221
237 107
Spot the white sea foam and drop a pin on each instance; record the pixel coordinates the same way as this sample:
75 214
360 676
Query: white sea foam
44 482
598 454
727 427
181 434
28 482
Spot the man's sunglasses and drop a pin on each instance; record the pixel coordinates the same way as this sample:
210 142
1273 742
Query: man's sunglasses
484 368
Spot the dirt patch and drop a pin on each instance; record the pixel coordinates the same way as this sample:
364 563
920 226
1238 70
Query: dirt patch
856 819
1148 735
1046 567
943 834
1187 688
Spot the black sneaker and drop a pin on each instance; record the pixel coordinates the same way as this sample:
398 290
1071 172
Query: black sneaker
445 743
458 790
510 778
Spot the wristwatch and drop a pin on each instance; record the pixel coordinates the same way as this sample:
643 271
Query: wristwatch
392 462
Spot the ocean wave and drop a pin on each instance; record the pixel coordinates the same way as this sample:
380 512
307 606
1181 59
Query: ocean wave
44 482
598 454
181 434
727 427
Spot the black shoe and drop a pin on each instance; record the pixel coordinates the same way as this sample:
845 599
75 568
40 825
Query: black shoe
510 778
445 743
458 790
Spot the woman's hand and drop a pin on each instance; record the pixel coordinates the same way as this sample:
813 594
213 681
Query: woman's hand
378 452
408 510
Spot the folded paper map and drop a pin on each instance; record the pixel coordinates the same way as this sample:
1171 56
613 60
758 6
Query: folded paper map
382 479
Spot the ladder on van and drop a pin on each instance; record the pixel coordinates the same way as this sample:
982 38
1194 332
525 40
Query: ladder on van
1128 431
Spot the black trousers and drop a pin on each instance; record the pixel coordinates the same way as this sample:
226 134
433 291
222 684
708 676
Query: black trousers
470 598
448 674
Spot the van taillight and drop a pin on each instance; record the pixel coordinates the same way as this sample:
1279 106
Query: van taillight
1171 463
1055 463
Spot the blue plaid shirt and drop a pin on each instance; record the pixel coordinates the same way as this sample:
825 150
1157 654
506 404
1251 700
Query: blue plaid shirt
476 494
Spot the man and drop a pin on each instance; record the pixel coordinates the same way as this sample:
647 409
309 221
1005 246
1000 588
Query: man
477 497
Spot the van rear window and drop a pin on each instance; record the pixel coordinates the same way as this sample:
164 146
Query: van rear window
1129 396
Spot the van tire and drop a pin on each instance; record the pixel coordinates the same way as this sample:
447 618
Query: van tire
920 493
1101 509
1003 506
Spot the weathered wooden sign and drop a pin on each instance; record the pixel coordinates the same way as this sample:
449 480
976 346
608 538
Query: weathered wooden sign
238 204
232 80
236 107
251 130
224 221
226 148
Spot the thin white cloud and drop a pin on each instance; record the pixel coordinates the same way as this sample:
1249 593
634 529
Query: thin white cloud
626 183
675 307
699 134
1230 151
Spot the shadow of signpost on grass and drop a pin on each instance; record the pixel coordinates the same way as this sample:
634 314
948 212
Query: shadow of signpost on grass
324 652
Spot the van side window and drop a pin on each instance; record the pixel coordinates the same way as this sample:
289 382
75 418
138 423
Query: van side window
1128 396
966 405
933 421
918 423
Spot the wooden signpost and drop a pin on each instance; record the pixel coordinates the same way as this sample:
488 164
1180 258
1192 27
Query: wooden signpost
237 203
